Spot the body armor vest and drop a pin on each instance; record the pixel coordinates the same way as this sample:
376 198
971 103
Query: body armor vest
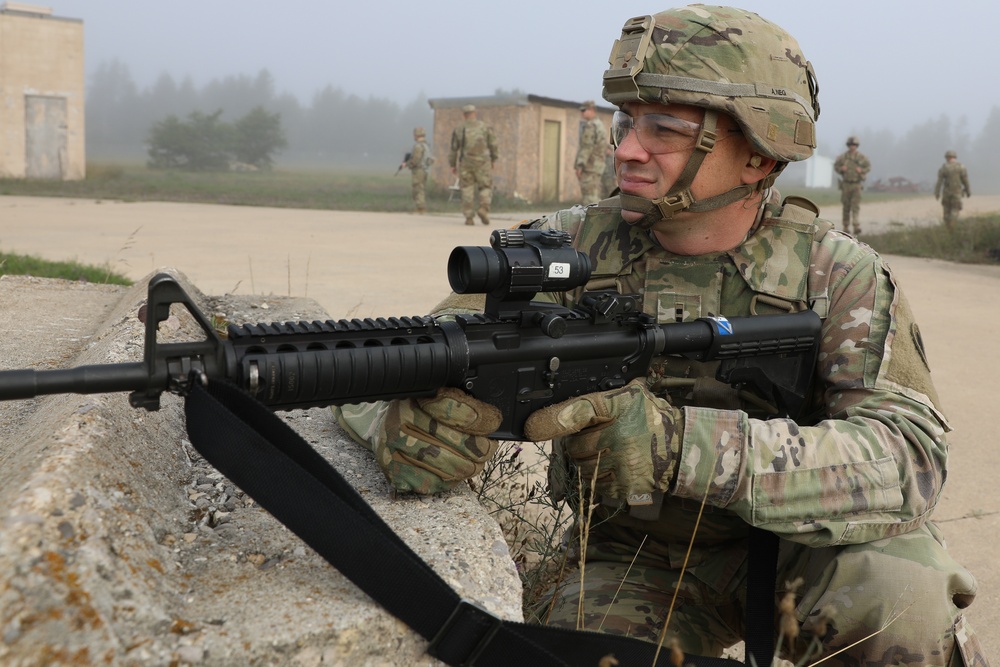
767 274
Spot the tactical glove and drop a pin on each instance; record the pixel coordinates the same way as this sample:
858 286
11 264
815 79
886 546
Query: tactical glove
426 445
628 437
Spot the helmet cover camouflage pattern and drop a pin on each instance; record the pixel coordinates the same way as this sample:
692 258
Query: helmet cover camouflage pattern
853 141
726 59
419 132
948 154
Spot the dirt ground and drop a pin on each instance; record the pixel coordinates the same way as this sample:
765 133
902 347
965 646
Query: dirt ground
353 264
374 264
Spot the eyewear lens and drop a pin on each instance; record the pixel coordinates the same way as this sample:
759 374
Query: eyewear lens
657 132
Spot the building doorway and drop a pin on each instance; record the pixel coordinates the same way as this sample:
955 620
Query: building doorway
45 137
551 143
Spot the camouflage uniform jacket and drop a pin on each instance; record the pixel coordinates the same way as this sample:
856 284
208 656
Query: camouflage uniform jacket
870 461
847 164
593 141
473 143
418 156
952 181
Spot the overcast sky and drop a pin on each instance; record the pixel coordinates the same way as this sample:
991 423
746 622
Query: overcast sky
881 64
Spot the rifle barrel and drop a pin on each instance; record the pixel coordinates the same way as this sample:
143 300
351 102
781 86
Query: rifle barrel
96 379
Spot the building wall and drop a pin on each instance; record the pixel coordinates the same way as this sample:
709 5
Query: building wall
519 124
41 96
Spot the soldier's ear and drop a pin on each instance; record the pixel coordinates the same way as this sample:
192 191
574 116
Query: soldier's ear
757 168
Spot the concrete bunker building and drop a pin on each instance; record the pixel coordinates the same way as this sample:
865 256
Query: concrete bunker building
41 94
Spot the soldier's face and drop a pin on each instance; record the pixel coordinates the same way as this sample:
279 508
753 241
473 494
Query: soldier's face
651 176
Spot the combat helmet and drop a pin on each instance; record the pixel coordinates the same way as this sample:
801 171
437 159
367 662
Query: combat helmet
853 141
948 154
725 60
419 132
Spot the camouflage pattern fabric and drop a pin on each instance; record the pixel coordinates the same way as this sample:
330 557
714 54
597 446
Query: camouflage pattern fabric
907 581
626 439
425 445
850 489
852 168
762 78
473 152
590 162
952 184
418 174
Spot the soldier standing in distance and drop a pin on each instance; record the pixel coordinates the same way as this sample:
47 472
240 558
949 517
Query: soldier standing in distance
608 182
714 102
852 166
590 155
472 156
952 184
418 163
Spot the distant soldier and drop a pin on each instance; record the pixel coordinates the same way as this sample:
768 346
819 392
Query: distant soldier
590 156
952 184
418 163
472 156
853 168
608 181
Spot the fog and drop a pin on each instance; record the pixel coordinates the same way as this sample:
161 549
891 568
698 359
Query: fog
884 67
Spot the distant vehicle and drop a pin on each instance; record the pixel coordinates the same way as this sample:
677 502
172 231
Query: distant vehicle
895 184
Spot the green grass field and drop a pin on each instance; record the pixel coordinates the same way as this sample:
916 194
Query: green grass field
28 265
332 189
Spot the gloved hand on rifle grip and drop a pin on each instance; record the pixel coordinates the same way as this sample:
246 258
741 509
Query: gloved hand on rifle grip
427 445
627 437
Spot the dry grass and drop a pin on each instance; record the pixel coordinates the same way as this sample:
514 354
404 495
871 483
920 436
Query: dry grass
514 490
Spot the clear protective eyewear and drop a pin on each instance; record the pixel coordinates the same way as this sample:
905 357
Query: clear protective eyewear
657 133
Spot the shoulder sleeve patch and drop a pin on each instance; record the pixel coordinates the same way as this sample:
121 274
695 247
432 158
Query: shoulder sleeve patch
907 359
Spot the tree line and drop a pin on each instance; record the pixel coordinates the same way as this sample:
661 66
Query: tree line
339 128
336 128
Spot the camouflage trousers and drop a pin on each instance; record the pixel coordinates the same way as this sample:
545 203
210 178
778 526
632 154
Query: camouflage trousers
476 180
850 197
590 187
906 592
952 205
418 179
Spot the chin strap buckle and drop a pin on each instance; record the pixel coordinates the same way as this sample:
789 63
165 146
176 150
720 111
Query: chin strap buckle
707 139
670 205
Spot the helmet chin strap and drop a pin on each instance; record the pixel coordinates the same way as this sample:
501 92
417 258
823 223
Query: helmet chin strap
679 198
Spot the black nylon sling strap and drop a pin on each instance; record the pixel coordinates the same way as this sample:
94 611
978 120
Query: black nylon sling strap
269 461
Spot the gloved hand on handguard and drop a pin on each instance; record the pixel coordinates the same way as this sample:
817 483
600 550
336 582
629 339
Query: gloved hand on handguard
627 437
426 445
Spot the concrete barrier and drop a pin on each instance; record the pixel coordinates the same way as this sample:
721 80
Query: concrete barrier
120 545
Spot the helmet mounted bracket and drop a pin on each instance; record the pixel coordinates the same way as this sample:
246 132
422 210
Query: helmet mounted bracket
626 60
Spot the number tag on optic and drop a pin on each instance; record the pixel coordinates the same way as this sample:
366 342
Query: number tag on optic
558 270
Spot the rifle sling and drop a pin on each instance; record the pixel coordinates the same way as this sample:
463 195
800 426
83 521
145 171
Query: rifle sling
276 467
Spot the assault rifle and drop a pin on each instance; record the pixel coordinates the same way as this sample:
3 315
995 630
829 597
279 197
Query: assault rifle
519 354
406 158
